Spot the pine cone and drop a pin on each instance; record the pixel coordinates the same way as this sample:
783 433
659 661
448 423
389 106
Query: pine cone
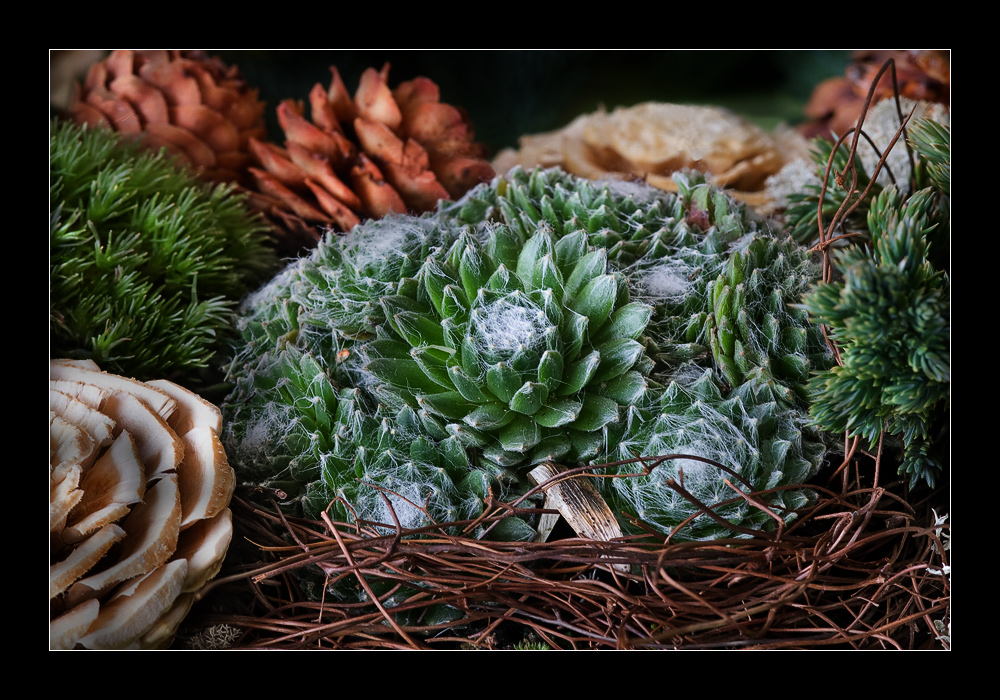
196 106
836 103
380 152
139 520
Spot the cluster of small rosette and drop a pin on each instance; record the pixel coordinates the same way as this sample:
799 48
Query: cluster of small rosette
410 368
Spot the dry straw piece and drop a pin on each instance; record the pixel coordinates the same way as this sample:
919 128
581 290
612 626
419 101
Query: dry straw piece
139 519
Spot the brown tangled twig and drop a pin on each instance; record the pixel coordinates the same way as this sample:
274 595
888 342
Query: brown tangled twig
861 569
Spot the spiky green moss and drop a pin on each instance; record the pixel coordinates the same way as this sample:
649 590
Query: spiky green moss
146 262
532 320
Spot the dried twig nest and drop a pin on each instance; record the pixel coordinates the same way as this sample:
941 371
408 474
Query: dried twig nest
653 140
139 520
864 568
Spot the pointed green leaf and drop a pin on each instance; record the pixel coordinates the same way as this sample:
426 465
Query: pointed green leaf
579 374
471 359
552 448
550 369
404 374
435 279
569 250
586 445
503 246
489 416
592 265
466 386
449 404
430 360
547 276
596 300
627 321
520 435
416 328
529 398
503 381
434 427
537 247
573 330
455 456
597 412
627 389
454 303
558 412
467 435
504 281
617 357
474 270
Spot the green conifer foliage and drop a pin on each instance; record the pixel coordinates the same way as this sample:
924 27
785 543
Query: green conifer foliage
890 317
146 263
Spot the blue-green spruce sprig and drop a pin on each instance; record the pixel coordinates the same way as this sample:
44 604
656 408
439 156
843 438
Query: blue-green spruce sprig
890 318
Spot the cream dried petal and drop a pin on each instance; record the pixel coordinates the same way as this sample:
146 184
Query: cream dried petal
87 418
82 558
64 494
160 450
151 539
206 479
191 408
87 373
204 545
69 446
66 630
110 488
136 607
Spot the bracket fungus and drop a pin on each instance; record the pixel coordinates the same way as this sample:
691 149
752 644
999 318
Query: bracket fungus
139 520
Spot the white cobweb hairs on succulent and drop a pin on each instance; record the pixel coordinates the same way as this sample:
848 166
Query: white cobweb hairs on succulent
378 242
704 433
505 326
416 492
265 430
640 192
668 280
271 290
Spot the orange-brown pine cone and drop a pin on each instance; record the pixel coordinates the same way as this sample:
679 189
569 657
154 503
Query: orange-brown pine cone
380 152
836 103
199 108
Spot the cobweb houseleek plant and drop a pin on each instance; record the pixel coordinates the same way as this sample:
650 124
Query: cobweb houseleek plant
528 321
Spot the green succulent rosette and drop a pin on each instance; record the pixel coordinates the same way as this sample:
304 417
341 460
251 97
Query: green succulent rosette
524 352
434 359
766 446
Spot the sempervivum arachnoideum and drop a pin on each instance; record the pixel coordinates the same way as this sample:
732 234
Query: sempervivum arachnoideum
529 321
525 351
752 326
750 430
296 421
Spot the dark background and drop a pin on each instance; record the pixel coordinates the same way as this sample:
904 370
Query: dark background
508 93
